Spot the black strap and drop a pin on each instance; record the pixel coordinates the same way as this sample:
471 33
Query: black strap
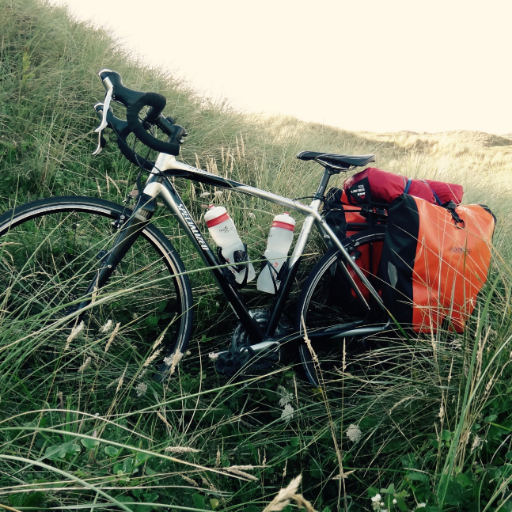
451 206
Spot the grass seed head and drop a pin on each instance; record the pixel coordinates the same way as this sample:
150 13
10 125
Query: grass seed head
112 336
151 359
241 473
121 380
86 365
189 480
75 331
284 496
181 449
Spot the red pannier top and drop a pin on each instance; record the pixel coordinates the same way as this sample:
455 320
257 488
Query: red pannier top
377 186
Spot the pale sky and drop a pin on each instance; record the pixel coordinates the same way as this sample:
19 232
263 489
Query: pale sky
374 65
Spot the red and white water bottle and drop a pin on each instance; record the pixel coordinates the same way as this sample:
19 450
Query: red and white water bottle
280 239
224 234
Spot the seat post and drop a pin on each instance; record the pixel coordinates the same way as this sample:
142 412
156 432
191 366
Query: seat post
328 172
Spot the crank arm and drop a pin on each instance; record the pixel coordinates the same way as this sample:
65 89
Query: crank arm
263 346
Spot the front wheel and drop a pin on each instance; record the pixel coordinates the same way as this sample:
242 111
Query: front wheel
327 301
50 252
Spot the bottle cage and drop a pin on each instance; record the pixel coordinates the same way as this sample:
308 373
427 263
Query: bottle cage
241 258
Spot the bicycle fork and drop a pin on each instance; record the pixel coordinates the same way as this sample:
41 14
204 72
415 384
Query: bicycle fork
129 232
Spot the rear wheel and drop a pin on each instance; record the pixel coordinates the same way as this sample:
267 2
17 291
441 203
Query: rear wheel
327 301
50 251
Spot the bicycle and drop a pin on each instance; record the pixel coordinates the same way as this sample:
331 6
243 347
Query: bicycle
86 253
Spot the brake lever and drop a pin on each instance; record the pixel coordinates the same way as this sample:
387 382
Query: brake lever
106 105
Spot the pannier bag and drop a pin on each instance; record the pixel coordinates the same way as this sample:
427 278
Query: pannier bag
346 220
434 262
375 186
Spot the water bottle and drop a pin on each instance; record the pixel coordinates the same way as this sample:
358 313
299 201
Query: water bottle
224 234
279 241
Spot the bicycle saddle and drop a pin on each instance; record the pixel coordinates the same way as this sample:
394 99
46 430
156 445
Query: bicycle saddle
343 161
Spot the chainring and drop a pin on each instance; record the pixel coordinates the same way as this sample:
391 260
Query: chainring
238 357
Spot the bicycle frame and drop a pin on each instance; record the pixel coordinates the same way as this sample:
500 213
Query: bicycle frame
159 186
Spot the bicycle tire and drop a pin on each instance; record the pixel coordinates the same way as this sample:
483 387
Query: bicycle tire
49 252
323 300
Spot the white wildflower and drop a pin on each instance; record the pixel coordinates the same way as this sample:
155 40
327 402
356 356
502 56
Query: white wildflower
287 414
86 365
107 327
395 501
187 353
354 433
141 389
251 215
181 449
74 333
286 396
377 498
421 505
213 355
205 194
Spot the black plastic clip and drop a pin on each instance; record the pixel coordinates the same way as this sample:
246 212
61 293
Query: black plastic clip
241 258
450 206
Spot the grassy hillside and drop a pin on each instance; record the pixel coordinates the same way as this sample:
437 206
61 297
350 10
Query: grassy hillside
412 421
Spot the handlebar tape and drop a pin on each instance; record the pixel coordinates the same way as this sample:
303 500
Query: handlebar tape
135 101
157 103
122 130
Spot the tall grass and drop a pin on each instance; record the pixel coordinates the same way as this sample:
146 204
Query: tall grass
418 425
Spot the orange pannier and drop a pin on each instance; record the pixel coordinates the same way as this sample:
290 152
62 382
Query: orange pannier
434 262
